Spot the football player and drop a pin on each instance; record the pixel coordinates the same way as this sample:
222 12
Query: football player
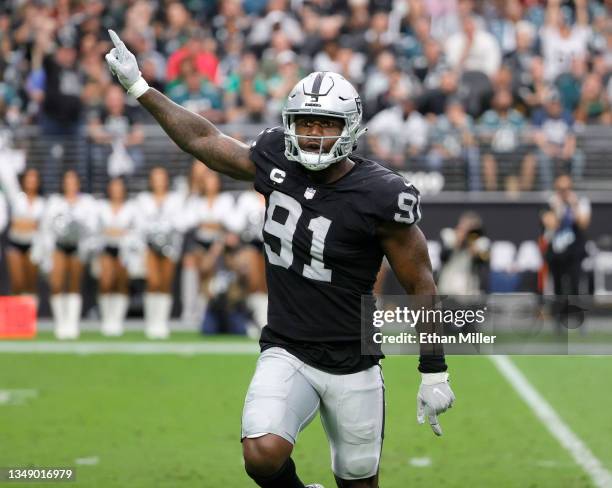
330 218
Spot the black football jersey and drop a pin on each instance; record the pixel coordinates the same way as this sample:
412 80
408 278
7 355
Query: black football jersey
322 251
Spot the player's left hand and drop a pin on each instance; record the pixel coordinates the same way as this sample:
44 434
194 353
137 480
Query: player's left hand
434 397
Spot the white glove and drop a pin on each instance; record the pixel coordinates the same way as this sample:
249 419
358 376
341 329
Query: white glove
124 66
434 397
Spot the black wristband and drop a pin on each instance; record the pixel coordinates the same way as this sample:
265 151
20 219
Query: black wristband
432 363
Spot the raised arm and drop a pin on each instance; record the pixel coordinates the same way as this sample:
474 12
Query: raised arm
191 132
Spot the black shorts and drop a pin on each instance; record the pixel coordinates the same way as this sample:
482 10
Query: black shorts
67 249
155 249
204 245
21 247
192 243
257 244
112 251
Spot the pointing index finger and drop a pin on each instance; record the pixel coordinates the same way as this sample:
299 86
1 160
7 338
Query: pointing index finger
117 42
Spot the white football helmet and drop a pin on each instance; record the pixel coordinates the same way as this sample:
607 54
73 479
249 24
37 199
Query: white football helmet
327 94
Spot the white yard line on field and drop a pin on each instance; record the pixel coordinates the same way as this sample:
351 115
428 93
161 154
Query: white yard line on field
601 477
420 462
16 397
87 461
187 348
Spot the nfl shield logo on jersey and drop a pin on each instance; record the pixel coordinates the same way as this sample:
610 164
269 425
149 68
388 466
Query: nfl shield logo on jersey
309 193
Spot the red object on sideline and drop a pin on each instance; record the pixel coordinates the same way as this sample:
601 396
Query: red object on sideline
17 317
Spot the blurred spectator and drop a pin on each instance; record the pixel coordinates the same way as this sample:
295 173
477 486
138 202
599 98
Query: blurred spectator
398 134
115 128
312 24
277 17
520 58
473 49
227 310
377 80
501 129
200 49
340 58
196 93
63 84
562 41
453 142
231 22
412 44
268 63
280 84
356 23
400 87
593 106
245 92
464 257
378 36
565 223
556 141
97 76
174 28
569 83
10 105
533 88
429 67
476 89
434 100
444 16
504 24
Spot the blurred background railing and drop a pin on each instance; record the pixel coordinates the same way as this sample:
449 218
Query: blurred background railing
52 155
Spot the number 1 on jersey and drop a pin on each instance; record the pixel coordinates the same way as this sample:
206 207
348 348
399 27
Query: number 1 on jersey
284 232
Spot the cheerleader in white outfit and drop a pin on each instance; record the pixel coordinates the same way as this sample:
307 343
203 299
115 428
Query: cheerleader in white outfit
117 218
161 220
209 210
247 221
69 219
27 208
4 213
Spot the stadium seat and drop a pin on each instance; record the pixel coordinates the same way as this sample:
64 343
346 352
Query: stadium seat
602 269
503 277
528 262
528 256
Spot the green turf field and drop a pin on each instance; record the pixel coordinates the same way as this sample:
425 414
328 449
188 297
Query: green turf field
167 420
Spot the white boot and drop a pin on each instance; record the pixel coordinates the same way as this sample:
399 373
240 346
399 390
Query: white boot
74 303
104 303
258 303
164 309
189 295
149 303
58 310
119 306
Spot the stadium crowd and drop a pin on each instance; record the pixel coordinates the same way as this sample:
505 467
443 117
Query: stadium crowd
444 83
456 83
